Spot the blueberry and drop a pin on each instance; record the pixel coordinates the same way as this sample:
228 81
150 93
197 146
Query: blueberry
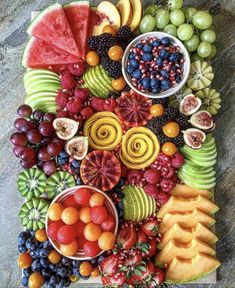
53 267
146 82
131 56
159 61
178 78
121 214
44 262
76 164
164 53
53 280
147 48
76 170
46 244
165 41
154 83
34 254
137 74
130 69
164 73
134 63
27 272
44 252
94 261
23 237
75 271
25 281
66 261
120 206
165 84
173 57
76 263
62 272
156 43
79 181
69 271
61 283
32 244
140 46
120 194
31 232
67 282
51 285
36 266
85 277
101 258
63 154
62 161
121 182
147 57
22 248
46 273
156 90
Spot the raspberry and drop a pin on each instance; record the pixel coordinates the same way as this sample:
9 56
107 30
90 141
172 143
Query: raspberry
62 99
110 104
178 160
74 106
97 104
87 112
134 177
151 190
152 176
77 69
162 197
67 80
82 94
62 114
167 185
167 172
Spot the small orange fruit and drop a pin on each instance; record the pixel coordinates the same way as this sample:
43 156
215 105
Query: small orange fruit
85 268
92 58
41 235
171 129
169 148
55 211
24 260
36 280
157 110
54 257
95 272
109 29
92 232
69 249
84 214
69 215
115 52
73 278
96 199
106 241
119 84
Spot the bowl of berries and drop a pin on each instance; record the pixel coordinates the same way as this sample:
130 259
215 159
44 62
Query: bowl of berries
156 65
82 222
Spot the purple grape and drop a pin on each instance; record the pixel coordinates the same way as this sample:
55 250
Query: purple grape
28 126
28 154
46 141
19 139
17 151
38 115
34 136
24 111
46 129
27 165
19 124
54 149
50 117
43 155
49 167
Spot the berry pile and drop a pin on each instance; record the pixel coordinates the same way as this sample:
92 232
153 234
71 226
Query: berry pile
155 65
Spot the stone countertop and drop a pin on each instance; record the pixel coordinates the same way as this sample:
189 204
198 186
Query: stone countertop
14 18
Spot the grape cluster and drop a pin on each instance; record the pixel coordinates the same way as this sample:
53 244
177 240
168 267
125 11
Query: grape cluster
35 142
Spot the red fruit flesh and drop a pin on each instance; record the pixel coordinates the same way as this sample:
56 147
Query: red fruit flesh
127 237
159 276
151 190
118 281
81 240
142 238
91 249
66 234
109 265
78 228
82 196
150 228
152 176
53 228
133 260
70 202
108 224
98 214
152 249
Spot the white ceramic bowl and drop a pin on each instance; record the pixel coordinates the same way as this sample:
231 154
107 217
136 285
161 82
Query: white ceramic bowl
186 68
80 255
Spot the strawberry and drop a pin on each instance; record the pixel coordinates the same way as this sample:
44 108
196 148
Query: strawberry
133 260
152 249
74 106
150 228
159 276
150 269
142 238
97 104
87 112
109 265
118 281
67 80
81 94
134 279
110 104
106 280
127 237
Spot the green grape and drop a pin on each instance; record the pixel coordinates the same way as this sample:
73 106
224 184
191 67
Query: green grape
151 10
195 57
192 43
189 12
208 36
213 52
175 4
147 24
177 17
202 20
185 32
171 29
162 18
204 49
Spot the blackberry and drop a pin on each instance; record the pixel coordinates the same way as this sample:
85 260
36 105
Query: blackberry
182 120
163 101
155 125
102 51
113 94
179 140
163 138
107 40
93 42
124 34
171 113
106 62
127 88
114 70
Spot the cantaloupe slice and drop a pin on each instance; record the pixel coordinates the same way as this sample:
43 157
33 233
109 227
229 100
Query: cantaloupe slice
183 235
186 191
182 271
185 251
186 220
179 204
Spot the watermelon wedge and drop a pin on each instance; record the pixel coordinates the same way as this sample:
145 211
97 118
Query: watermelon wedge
78 14
52 26
40 54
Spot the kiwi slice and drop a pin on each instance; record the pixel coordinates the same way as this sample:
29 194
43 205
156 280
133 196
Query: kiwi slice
58 182
31 183
33 213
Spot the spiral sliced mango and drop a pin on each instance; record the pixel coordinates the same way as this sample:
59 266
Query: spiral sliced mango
104 131
139 148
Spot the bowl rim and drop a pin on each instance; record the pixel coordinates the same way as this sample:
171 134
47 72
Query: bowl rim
59 199
170 91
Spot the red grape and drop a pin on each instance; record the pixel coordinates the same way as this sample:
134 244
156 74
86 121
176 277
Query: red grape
28 126
66 234
58 140
34 136
37 115
49 117
17 151
54 149
43 155
25 111
28 154
49 167
19 139
19 123
108 224
46 129
27 165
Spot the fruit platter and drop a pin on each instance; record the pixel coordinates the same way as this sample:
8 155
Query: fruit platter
115 138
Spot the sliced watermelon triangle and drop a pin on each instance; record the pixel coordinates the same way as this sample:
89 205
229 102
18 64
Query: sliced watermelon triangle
78 15
39 54
52 26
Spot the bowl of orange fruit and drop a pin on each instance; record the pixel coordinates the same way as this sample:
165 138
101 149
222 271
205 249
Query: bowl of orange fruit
82 222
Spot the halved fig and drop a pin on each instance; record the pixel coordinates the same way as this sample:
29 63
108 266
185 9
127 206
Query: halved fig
194 138
100 169
202 120
190 104
77 147
133 109
65 128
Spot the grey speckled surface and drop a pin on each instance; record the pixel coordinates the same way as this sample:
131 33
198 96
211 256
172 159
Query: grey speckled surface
14 18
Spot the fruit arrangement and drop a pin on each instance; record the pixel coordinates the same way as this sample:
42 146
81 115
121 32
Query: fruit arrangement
116 185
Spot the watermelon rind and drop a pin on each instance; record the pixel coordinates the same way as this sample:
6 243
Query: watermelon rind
26 51
77 3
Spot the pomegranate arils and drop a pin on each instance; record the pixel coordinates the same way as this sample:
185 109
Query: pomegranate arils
77 69
67 80
110 104
97 104
151 190
81 94
152 176
178 160
134 177
74 106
